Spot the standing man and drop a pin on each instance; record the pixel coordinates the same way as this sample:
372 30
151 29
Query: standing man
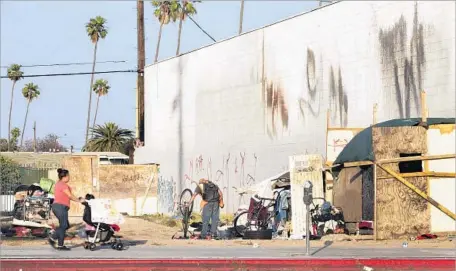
211 203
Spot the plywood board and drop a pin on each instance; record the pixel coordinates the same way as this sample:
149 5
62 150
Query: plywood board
348 193
401 213
441 140
336 140
304 168
82 171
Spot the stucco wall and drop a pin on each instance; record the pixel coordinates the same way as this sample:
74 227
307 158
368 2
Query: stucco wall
235 111
83 174
126 186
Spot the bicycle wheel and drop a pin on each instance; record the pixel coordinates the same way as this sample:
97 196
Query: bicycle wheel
185 197
185 219
242 223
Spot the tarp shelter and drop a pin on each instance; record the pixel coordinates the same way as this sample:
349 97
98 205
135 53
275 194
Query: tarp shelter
360 147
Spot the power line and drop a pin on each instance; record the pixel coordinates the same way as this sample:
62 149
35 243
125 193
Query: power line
72 73
204 31
69 64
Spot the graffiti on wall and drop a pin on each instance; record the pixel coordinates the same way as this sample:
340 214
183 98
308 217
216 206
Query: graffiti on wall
337 140
338 102
276 108
221 176
166 189
311 99
403 61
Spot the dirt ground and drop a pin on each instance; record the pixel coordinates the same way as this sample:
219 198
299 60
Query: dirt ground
149 233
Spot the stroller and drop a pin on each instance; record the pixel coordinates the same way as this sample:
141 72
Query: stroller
100 232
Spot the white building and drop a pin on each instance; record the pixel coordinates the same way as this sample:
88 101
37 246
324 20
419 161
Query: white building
236 110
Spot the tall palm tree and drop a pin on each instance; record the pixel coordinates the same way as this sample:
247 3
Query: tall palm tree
241 17
184 9
30 92
164 11
101 88
108 137
96 30
14 74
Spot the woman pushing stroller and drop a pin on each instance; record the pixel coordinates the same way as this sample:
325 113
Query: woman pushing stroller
62 197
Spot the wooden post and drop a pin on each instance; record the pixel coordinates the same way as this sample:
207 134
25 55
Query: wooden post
374 115
141 64
423 107
419 192
328 119
152 178
375 201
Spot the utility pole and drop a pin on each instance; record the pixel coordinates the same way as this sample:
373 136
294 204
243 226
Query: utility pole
241 17
141 64
34 136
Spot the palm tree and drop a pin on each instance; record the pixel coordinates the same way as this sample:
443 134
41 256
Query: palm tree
101 88
108 138
241 17
14 74
184 9
96 29
30 92
164 11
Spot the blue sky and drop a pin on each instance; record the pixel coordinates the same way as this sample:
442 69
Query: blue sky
39 32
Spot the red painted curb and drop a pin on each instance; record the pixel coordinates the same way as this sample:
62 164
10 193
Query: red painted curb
226 264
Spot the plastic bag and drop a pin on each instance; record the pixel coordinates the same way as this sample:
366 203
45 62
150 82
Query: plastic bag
47 185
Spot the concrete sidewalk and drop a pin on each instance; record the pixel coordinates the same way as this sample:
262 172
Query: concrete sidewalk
199 252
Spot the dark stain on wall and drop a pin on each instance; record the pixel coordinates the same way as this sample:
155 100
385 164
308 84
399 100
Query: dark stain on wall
404 69
311 74
277 108
338 98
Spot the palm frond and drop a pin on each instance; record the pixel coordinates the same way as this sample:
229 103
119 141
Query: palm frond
108 137
96 28
14 72
31 91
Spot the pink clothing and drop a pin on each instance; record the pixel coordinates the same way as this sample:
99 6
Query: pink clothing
59 195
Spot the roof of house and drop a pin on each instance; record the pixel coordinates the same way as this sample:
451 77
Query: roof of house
54 159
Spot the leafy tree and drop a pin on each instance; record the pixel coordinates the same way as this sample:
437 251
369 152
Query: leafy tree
49 142
3 144
96 30
30 92
108 138
101 88
9 175
184 8
164 11
14 74
15 134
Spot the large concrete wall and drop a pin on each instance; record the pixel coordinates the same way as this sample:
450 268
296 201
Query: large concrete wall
234 111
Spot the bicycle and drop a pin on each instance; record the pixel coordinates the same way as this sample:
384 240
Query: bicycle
257 218
185 209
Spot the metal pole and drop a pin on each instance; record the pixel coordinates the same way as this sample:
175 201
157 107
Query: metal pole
307 229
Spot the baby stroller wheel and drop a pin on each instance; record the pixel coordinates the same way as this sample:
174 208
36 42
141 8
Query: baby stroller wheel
113 245
119 246
92 247
86 245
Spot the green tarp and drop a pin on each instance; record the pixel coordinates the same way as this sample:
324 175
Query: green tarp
360 147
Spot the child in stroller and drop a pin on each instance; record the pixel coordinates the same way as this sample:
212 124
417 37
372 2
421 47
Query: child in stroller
99 232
